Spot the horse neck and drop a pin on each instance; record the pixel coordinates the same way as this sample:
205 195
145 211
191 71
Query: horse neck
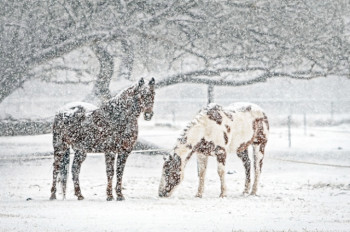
119 104
184 152
189 138
134 111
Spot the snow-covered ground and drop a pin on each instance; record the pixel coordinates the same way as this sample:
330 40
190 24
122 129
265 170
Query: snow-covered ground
306 196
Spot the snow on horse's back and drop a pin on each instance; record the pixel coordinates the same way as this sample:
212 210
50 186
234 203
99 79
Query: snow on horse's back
72 107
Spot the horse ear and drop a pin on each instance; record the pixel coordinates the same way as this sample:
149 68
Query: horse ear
141 82
152 81
166 156
177 158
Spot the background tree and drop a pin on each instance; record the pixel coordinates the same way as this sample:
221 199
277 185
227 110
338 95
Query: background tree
226 42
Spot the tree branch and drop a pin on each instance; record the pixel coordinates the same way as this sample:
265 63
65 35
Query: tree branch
190 77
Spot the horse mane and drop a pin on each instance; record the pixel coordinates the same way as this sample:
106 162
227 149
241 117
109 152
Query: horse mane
202 113
120 97
117 105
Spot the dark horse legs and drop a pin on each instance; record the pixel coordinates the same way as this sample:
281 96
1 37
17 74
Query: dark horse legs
57 164
79 158
121 160
246 162
110 159
64 171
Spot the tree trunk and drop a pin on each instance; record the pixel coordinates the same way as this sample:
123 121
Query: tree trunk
210 94
126 65
12 73
11 80
101 85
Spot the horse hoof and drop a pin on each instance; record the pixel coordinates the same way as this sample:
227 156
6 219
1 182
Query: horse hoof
53 197
120 198
198 195
110 198
80 198
223 195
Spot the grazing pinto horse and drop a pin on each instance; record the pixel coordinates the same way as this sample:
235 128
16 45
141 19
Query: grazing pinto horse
217 131
111 128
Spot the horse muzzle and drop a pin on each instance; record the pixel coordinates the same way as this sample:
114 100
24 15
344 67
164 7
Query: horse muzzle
148 116
163 194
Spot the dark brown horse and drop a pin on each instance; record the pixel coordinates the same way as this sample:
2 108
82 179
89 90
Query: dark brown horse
111 129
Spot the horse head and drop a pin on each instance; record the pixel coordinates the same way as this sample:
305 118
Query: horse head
171 175
147 94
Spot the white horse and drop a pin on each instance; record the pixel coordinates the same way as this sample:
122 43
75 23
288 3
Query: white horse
217 131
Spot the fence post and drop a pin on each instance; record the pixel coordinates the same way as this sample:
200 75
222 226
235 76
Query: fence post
174 117
305 130
332 111
289 122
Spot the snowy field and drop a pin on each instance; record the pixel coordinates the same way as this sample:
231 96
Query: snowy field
311 194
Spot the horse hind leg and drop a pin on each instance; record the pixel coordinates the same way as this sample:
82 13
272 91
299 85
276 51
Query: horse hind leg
246 162
258 150
57 163
79 158
202 161
64 172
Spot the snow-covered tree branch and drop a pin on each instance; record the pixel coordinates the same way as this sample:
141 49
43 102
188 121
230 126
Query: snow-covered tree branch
224 40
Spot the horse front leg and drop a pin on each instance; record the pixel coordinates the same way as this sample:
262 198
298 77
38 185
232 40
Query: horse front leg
221 158
110 159
202 161
79 158
246 162
121 160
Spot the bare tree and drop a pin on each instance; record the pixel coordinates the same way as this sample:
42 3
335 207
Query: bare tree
101 87
242 44
36 32
232 42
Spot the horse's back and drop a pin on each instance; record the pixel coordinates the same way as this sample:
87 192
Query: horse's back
72 112
68 120
226 126
245 117
73 107
246 107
